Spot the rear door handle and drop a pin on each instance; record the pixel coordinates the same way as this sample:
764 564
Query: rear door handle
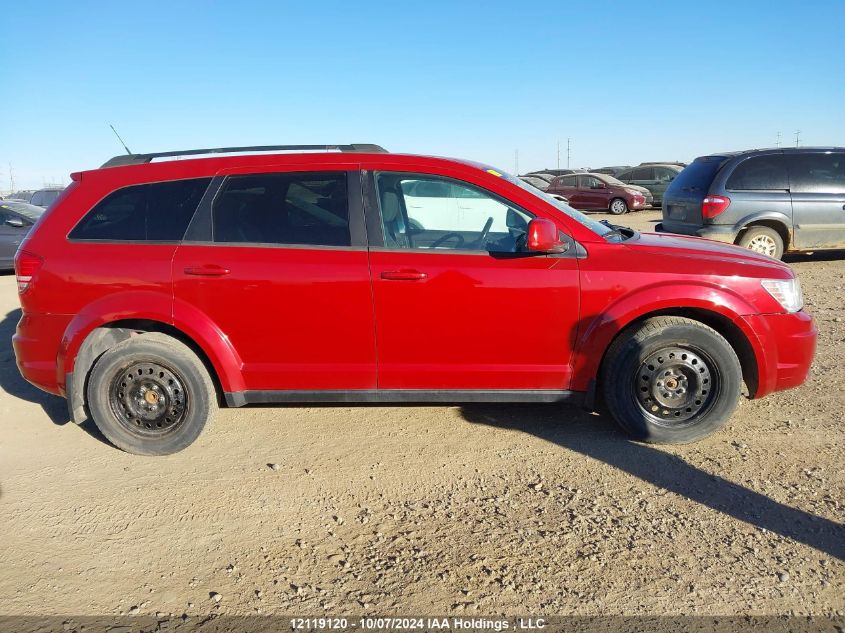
403 275
207 270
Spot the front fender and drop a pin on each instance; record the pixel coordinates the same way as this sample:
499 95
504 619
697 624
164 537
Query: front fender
597 332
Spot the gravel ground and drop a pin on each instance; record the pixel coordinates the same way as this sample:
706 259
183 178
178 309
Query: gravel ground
462 510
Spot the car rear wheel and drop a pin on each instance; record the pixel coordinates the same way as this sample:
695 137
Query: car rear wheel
150 395
671 380
763 239
618 206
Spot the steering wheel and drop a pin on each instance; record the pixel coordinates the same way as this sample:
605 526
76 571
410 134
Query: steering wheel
447 237
484 233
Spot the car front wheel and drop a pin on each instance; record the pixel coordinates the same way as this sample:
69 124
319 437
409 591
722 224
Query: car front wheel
150 395
618 206
671 380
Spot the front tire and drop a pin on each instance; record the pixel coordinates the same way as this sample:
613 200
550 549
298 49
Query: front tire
671 380
150 395
763 239
618 206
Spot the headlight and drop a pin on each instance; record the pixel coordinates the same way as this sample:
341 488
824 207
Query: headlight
786 292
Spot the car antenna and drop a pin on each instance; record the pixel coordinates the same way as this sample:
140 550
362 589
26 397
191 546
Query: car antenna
120 139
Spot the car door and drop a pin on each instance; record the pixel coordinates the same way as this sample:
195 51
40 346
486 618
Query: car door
567 186
12 230
817 188
278 263
593 192
456 308
662 177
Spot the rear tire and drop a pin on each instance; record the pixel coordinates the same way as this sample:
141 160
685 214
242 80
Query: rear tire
150 395
671 380
763 239
618 206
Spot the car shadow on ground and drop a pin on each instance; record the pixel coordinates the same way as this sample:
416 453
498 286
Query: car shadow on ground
596 436
13 383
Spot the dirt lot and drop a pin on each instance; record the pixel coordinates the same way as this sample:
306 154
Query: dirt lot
464 509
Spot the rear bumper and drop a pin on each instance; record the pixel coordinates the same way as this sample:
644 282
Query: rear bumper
36 343
787 346
720 233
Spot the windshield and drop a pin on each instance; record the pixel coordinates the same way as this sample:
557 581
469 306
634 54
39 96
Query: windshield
595 227
611 180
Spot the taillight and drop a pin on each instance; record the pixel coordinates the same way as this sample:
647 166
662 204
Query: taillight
712 206
26 265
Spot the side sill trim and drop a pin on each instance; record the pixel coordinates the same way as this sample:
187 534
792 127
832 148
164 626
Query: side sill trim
415 396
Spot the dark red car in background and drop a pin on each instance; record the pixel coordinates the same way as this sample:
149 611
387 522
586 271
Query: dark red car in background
154 291
600 192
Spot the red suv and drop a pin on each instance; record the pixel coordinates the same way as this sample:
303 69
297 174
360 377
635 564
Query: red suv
152 291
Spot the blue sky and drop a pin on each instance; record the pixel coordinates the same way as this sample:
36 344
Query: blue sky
627 81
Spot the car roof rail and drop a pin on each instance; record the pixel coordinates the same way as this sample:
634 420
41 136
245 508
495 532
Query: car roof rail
137 159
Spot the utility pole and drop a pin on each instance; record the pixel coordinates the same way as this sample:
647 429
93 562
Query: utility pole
558 154
568 151
778 141
797 138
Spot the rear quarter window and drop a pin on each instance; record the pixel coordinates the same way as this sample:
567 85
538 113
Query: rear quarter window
151 212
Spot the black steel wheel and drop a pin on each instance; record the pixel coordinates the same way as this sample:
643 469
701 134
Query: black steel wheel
674 385
671 380
148 398
150 395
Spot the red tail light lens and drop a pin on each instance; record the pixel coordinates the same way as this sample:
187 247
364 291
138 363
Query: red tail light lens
26 266
712 206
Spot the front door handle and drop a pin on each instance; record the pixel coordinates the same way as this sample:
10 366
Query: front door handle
403 275
207 270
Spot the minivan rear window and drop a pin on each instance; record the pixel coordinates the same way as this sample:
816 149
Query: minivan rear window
157 211
699 174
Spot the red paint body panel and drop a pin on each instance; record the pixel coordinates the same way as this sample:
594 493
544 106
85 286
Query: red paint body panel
787 346
299 318
474 321
302 318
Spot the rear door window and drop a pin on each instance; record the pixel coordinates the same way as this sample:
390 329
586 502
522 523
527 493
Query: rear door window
760 173
157 211
817 172
284 208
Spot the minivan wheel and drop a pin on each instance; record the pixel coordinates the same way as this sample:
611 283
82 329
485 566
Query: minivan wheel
762 239
671 380
618 206
150 395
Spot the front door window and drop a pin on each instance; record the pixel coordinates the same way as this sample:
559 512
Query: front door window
436 213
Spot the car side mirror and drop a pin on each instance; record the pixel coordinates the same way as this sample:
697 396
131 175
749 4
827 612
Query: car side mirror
543 237
14 222
601 185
